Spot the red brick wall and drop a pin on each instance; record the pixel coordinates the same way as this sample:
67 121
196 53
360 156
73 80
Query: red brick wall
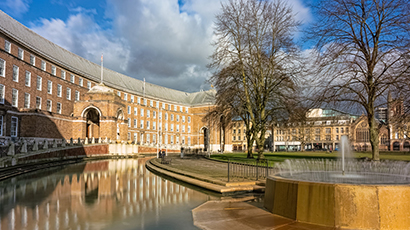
72 152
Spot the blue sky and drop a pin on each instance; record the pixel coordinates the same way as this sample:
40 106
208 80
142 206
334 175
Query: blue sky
168 42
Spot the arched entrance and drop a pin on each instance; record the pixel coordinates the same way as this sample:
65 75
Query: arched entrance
92 117
406 146
205 131
396 146
120 118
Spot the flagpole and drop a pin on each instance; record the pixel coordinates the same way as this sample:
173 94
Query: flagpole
102 67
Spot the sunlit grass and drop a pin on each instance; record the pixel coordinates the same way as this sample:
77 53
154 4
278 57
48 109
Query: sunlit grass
281 156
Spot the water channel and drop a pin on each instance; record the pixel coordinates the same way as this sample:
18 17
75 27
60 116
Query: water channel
106 194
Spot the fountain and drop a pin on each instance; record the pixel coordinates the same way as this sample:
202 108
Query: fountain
343 193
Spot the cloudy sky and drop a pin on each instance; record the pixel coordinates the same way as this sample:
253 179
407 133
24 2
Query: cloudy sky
167 42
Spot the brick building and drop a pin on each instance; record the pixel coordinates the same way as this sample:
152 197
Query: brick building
49 92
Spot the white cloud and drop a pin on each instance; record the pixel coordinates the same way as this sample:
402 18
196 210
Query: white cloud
156 40
17 7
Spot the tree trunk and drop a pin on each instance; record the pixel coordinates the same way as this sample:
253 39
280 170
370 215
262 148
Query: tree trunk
374 137
249 142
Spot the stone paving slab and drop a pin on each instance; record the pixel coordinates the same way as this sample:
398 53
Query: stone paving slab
214 215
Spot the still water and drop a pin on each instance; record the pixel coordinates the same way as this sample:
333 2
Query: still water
108 194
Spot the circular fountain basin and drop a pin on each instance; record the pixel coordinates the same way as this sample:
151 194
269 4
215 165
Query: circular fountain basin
354 201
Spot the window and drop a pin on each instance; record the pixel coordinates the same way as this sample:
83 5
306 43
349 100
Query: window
175 108
169 107
58 107
183 118
183 128
148 139
129 136
72 78
151 103
157 104
327 130
59 89
166 126
125 96
38 102
189 119
159 125
135 123
154 125
141 124
172 127
129 122
119 93
63 74
154 138
177 128
53 70
337 130
135 111
7 46
341 130
142 112
26 100
39 83
15 73
14 97
2 94
186 110
77 95
138 100
2 67
145 101
80 82
166 116
43 65
347 129
163 105
172 139
172 117
32 60
148 113
147 124
189 129
233 137
177 117
88 85
21 54
129 109
68 94
49 105
28 79
317 131
160 115
14 126
49 87
154 114
132 98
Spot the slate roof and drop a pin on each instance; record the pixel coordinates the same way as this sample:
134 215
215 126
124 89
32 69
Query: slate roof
87 69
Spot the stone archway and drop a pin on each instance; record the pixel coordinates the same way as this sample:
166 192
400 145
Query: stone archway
205 132
396 146
92 117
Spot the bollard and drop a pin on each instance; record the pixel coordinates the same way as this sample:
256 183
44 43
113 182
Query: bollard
79 141
92 140
63 141
71 141
99 140
86 141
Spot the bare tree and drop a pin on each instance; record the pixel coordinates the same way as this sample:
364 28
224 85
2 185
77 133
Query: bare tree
254 61
363 50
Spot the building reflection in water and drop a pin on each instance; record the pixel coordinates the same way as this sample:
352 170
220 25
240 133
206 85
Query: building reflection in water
91 195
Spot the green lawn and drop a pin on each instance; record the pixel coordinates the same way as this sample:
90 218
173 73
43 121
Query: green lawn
281 156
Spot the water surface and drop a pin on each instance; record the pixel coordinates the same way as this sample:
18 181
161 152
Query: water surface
108 194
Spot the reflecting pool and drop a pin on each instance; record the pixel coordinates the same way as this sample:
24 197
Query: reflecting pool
108 194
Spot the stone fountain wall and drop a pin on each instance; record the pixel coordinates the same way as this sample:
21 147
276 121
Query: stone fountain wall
340 205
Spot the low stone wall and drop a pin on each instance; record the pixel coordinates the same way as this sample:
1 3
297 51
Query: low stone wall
55 154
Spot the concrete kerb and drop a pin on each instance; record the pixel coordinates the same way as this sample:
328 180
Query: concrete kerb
201 181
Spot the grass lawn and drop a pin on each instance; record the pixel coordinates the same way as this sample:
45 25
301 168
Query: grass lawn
281 156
